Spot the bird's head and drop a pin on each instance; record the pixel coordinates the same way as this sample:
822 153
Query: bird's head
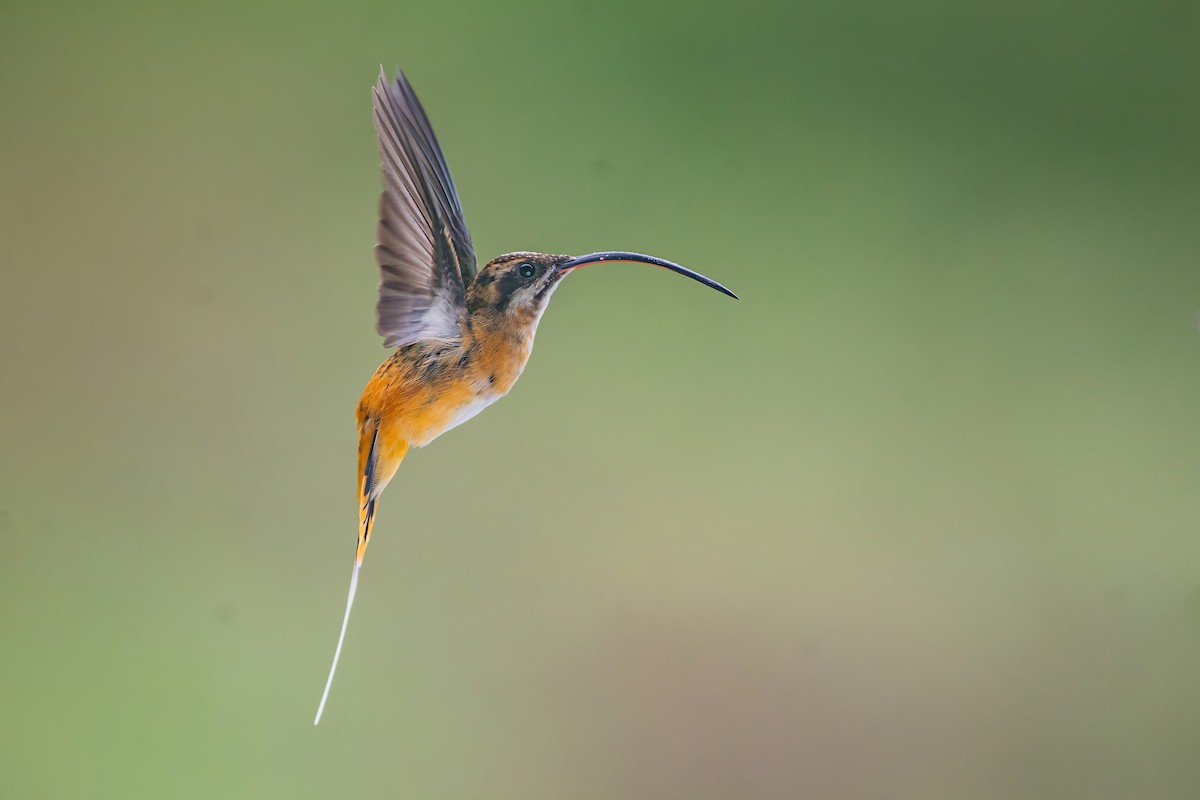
516 284
520 284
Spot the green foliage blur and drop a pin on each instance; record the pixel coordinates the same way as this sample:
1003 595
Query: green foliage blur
916 518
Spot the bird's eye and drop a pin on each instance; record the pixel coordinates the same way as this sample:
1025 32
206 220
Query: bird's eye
526 269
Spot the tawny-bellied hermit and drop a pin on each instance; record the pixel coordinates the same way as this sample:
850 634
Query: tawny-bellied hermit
462 336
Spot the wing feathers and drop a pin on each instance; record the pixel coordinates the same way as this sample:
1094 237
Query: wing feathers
424 251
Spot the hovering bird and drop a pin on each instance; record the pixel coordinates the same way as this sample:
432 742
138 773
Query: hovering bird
462 336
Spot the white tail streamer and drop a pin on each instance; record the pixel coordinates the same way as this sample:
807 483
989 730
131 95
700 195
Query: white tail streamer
341 637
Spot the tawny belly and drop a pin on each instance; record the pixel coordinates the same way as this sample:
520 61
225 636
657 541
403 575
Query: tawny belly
464 413
418 409
422 424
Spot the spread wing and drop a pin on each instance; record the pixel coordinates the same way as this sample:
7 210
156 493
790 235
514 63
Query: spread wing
425 255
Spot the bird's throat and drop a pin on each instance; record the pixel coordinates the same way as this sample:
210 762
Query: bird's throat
498 347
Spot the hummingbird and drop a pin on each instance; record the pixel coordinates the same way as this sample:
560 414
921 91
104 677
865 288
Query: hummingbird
461 336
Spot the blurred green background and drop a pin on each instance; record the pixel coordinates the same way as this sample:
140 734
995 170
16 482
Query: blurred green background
917 518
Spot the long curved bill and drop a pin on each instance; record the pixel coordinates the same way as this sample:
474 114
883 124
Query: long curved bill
638 258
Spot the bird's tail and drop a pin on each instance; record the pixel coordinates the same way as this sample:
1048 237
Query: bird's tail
368 491
376 466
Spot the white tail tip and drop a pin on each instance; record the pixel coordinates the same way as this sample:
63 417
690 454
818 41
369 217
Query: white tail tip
341 637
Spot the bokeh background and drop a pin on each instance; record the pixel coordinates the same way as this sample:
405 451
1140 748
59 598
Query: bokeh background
917 518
